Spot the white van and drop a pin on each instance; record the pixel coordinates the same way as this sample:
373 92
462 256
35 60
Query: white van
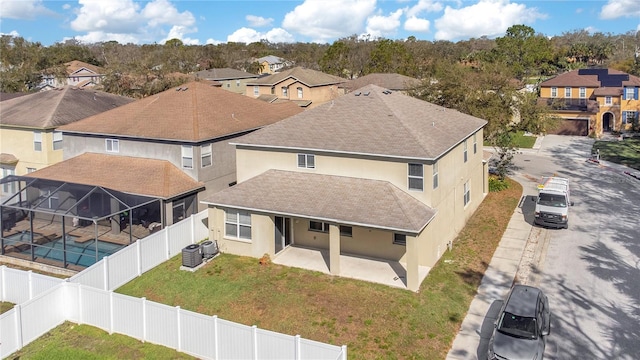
552 204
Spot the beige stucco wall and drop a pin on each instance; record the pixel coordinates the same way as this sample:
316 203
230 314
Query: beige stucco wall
238 86
447 199
317 94
19 142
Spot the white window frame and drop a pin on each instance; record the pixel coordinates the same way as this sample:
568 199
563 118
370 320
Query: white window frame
466 193
300 92
30 170
256 90
238 220
285 91
628 93
435 175
306 161
57 140
554 92
567 92
630 117
582 93
37 140
465 154
187 156
322 227
112 145
237 83
206 156
8 188
608 100
413 175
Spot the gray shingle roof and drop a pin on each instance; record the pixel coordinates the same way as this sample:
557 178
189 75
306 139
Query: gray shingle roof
306 76
382 123
388 81
53 108
315 196
220 74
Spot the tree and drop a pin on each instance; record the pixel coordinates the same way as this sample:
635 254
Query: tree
390 56
523 51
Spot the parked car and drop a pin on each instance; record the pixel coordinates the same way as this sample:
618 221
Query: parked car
522 325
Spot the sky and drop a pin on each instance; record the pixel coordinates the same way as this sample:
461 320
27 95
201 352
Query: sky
199 22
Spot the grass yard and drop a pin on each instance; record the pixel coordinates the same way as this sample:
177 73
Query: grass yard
374 321
520 140
626 152
5 306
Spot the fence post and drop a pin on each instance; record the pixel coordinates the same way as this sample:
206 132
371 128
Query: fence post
30 283
105 268
18 312
215 338
179 329
296 347
344 352
192 222
139 257
110 312
144 319
254 335
3 296
166 243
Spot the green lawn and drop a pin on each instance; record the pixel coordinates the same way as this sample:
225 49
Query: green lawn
626 152
374 321
5 306
520 140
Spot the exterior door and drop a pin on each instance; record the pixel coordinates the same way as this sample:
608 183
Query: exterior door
283 233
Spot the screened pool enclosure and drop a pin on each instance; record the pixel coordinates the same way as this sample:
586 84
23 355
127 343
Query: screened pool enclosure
71 225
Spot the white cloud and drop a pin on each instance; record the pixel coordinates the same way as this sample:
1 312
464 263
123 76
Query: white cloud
258 21
329 19
424 6
620 8
10 33
124 21
23 9
485 18
211 41
416 24
383 26
247 35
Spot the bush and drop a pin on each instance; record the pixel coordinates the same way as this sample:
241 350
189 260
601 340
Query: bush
495 184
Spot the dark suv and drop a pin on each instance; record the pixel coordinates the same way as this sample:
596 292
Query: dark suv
522 325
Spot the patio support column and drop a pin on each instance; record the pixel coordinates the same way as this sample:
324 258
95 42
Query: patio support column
413 275
334 249
115 209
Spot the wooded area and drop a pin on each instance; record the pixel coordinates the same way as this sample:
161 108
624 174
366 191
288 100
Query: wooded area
479 77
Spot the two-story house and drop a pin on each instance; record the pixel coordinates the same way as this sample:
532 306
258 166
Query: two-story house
305 87
272 64
375 174
29 139
593 101
130 171
77 73
229 79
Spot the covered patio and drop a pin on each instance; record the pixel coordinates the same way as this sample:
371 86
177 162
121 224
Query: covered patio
386 272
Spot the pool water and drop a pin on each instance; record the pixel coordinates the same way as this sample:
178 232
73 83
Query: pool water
81 254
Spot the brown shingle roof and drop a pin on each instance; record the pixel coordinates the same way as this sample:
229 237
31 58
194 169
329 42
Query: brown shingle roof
314 196
8 159
195 111
76 65
388 81
220 74
572 78
382 123
53 108
139 176
306 76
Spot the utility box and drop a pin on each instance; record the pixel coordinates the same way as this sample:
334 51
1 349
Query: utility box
191 256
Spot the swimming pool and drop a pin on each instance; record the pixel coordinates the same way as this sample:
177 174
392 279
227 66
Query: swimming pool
81 254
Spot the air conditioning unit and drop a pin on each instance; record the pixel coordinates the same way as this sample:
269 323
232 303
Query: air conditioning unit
209 249
191 256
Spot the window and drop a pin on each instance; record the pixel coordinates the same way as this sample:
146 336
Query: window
228 85
37 141
187 156
583 93
628 117
299 93
285 91
467 193
237 83
416 177
400 239
554 92
256 91
464 149
237 224
475 143
52 199
205 155
112 145
318 226
307 161
608 100
273 90
628 93
435 175
567 92
346 231
9 187
57 140
30 170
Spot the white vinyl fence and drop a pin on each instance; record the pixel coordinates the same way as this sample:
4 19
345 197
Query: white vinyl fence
44 302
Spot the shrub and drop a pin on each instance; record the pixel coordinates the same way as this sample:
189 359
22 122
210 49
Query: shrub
495 184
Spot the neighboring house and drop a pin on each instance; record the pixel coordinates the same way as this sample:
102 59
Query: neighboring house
394 82
29 139
229 79
182 130
593 101
305 87
78 73
375 173
272 64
